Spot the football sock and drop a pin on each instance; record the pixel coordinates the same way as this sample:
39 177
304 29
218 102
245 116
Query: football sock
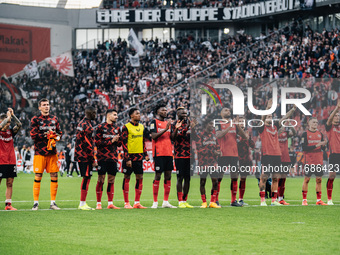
233 188
329 188
218 188
54 187
155 188
8 202
204 199
213 196
99 191
282 187
180 196
52 202
36 188
138 189
263 196
304 195
185 197
274 195
126 190
242 188
110 191
84 188
318 196
167 186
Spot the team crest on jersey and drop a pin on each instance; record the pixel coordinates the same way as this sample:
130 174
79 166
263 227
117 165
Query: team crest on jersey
8 132
116 131
124 170
104 130
157 168
41 122
53 121
152 126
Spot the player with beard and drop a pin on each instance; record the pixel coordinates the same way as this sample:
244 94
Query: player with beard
7 155
162 153
333 134
207 153
245 162
180 134
284 134
107 140
84 153
271 153
312 145
226 133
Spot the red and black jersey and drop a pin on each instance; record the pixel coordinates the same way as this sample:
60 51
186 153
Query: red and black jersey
206 144
182 140
84 148
333 134
312 154
270 140
283 141
161 146
41 124
228 143
127 141
243 147
106 150
7 154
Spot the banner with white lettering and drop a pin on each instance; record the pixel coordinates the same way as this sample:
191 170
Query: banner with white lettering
143 87
183 15
134 60
31 70
135 43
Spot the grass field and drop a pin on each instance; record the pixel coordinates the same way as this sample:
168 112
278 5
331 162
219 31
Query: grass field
291 229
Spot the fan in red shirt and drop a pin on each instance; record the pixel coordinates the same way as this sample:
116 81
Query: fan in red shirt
312 145
107 140
227 139
7 155
284 134
162 154
271 153
84 153
333 134
45 131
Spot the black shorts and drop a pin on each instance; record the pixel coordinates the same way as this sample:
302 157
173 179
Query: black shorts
317 170
183 167
231 163
163 163
334 163
286 166
8 171
85 169
271 164
137 168
245 168
109 167
204 172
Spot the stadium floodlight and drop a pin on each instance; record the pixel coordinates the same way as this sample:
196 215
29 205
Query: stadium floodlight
226 31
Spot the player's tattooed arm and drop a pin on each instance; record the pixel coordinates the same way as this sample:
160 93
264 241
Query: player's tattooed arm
331 117
18 124
6 120
288 115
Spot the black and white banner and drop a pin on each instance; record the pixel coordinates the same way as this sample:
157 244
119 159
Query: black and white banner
31 70
135 43
134 60
197 14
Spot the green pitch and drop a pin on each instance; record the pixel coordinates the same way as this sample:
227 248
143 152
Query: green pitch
249 230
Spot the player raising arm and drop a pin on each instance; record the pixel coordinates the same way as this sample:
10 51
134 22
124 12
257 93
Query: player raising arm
333 134
7 154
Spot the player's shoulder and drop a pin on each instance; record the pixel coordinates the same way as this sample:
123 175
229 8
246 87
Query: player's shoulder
35 118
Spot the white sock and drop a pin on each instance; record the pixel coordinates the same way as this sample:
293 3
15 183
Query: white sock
82 203
165 201
280 198
52 202
318 200
110 203
8 201
36 202
304 199
99 203
136 202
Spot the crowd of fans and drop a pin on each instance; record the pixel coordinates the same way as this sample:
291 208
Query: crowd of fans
124 4
295 52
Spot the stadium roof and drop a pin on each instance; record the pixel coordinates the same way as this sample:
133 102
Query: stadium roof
67 4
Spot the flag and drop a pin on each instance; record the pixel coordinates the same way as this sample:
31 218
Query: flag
135 43
104 98
63 63
31 70
143 86
134 60
12 96
208 45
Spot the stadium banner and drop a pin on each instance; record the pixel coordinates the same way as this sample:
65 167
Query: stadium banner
134 60
63 63
143 87
12 96
31 70
198 14
20 45
261 122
